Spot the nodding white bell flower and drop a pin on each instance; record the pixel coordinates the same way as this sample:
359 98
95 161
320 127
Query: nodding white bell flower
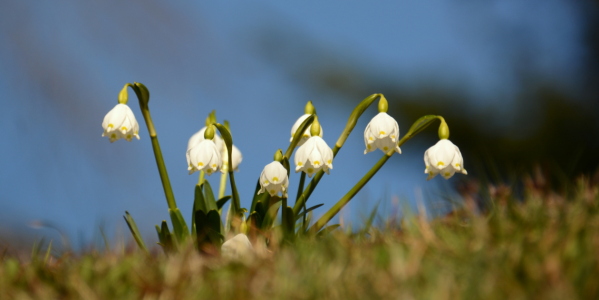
204 156
273 179
235 156
382 132
307 134
443 158
314 155
238 248
199 136
120 123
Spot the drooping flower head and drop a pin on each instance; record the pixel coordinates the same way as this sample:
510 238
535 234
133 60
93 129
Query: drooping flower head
382 132
205 155
308 110
444 157
314 154
120 121
238 248
274 179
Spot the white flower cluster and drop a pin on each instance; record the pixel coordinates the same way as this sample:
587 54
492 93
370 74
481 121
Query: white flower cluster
209 155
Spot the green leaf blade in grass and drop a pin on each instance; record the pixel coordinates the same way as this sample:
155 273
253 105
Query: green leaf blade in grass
135 231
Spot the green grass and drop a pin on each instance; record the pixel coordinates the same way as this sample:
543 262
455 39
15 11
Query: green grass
545 247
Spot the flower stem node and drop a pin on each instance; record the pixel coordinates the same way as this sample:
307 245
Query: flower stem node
204 156
307 133
382 133
273 179
313 156
120 123
443 158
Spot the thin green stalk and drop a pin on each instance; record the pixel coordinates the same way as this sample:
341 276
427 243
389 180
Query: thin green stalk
166 184
201 178
300 188
350 194
223 185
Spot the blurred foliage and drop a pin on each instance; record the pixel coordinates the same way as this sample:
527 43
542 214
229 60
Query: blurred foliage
542 248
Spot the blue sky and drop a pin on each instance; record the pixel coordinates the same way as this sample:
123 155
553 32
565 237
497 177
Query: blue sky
62 67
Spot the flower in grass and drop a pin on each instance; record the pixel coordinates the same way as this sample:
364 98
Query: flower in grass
382 132
235 156
204 156
443 158
273 179
120 123
238 248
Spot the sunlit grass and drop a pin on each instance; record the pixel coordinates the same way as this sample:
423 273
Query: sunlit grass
545 246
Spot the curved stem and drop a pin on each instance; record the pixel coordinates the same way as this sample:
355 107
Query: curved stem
418 126
351 123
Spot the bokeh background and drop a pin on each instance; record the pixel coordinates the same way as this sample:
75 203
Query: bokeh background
517 81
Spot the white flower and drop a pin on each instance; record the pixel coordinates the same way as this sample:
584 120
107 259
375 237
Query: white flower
382 132
120 123
199 136
314 155
238 248
235 156
274 179
443 158
306 133
204 156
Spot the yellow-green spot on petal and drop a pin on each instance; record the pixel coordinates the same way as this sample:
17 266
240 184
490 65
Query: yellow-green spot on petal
272 192
113 136
214 165
310 170
458 165
393 136
300 163
275 179
370 138
200 164
329 161
317 162
124 128
440 163
382 132
385 148
447 174
110 125
209 171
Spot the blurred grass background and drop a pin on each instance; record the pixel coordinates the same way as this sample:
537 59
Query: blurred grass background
543 246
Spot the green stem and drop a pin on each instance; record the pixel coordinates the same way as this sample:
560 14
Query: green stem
166 184
223 185
353 191
201 178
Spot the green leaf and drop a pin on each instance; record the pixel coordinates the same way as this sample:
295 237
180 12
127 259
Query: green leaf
165 238
222 201
208 230
179 226
134 231
327 230
258 198
209 196
271 214
308 210
288 221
